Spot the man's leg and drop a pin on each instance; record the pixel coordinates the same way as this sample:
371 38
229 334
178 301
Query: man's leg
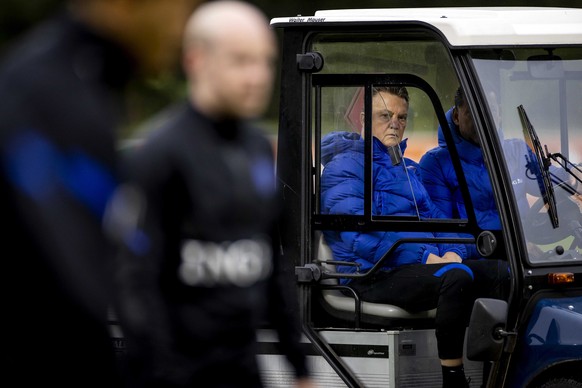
421 287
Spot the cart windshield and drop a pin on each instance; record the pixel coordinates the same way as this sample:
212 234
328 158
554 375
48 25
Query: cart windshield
534 97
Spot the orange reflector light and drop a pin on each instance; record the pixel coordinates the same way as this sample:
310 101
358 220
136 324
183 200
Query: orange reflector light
560 278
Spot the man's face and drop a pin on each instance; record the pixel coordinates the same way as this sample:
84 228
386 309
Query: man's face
242 70
389 117
463 119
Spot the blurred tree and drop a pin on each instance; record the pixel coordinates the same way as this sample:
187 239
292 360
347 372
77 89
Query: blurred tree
146 98
17 16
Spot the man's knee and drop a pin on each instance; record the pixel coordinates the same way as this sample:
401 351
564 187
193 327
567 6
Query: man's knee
456 273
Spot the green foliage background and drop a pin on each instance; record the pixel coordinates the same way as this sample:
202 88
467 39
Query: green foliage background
148 97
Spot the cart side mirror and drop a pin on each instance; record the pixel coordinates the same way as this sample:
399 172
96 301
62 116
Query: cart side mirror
484 339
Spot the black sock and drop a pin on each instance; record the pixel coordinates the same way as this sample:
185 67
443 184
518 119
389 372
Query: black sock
454 377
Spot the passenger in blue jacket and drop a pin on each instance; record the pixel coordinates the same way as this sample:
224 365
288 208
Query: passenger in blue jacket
441 182
416 276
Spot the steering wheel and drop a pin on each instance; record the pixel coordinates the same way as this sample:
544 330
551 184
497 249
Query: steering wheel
539 229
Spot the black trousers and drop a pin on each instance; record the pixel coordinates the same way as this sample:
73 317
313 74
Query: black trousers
451 288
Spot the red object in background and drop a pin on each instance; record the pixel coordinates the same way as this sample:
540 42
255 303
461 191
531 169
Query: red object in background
354 110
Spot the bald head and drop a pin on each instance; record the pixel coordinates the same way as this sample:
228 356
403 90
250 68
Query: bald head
219 20
229 56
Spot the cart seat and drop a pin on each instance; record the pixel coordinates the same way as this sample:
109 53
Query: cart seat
342 305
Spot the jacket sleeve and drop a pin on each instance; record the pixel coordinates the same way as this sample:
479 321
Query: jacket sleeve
460 249
343 193
433 211
342 187
136 227
435 182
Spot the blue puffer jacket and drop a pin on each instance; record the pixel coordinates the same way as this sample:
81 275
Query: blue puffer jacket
342 192
440 180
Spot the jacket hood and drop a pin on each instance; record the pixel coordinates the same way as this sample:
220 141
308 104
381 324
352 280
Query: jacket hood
338 142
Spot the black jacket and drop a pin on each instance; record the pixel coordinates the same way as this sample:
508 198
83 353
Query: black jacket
200 260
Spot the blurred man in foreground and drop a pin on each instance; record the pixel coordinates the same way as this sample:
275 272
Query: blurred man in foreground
199 273
59 93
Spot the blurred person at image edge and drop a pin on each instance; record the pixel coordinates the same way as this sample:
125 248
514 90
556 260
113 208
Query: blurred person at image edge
59 109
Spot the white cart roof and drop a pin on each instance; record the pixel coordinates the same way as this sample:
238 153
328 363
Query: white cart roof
469 26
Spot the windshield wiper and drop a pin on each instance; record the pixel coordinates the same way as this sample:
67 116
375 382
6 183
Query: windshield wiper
541 168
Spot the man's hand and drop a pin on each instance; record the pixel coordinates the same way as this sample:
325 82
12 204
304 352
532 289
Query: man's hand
449 257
